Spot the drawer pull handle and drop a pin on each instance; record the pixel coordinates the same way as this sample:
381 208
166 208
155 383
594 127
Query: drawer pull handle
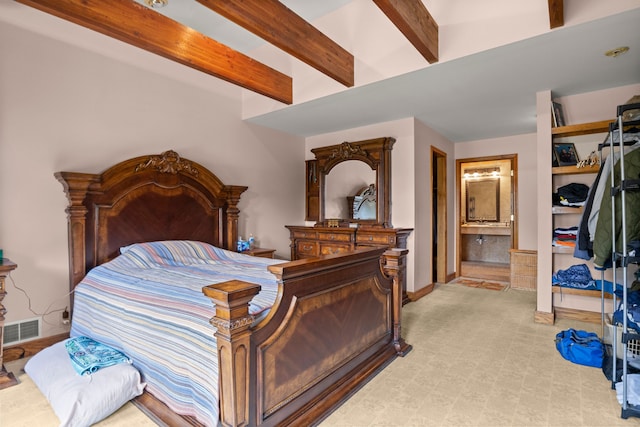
370 238
306 248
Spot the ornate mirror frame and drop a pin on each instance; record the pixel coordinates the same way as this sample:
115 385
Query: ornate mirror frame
374 152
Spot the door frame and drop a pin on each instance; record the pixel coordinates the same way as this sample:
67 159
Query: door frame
439 185
513 158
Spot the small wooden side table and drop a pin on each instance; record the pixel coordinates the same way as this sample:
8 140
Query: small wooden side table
7 379
261 252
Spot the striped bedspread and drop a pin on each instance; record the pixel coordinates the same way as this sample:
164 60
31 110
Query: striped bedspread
148 303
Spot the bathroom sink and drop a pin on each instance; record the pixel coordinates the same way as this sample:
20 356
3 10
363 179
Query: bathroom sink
495 228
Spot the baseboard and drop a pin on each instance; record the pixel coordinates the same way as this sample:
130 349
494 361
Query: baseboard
544 317
450 277
415 296
581 315
29 348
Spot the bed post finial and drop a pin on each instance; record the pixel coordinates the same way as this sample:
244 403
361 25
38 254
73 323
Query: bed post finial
233 335
395 265
76 186
233 213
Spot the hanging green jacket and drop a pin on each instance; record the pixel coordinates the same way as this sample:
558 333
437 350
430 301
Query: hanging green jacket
602 241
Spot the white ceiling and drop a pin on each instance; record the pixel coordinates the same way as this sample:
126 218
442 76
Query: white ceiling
452 97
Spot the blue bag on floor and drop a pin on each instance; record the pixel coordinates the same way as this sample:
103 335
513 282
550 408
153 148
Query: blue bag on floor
581 347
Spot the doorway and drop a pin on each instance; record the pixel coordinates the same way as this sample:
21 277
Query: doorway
439 215
487 224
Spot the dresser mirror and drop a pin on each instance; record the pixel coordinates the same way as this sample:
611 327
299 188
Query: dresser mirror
344 182
349 168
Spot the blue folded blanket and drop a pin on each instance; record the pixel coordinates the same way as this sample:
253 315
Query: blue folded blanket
87 355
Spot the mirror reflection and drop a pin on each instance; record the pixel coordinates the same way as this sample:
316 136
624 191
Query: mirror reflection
363 204
482 198
346 180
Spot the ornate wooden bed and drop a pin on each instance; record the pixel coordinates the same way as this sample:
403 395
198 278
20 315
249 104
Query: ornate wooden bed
335 323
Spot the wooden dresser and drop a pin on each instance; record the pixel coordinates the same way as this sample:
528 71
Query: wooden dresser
314 241
308 242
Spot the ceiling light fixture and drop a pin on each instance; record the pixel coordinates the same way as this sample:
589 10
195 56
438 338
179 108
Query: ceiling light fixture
156 4
617 51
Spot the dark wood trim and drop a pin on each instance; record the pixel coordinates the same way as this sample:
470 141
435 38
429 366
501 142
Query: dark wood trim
29 348
575 314
413 20
139 26
415 296
298 38
556 13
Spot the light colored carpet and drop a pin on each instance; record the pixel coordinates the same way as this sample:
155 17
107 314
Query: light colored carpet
478 359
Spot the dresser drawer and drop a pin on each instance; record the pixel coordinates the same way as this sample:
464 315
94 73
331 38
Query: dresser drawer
335 237
332 249
305 248
376 239
304 234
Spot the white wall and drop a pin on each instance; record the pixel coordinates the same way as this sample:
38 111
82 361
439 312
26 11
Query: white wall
67 108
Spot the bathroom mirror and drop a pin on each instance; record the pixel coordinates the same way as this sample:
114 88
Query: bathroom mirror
346 168
483 199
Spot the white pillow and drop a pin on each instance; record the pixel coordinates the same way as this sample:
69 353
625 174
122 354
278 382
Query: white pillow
81 401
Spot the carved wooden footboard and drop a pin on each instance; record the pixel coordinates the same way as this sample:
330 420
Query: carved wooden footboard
336 323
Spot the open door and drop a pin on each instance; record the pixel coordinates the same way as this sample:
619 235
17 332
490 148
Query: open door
487 217
439 215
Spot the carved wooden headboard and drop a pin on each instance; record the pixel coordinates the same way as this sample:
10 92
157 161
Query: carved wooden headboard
147 198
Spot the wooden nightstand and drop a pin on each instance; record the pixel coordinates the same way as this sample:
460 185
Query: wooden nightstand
7 379
261 252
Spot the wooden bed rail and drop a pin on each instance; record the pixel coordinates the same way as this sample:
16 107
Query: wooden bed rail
246 392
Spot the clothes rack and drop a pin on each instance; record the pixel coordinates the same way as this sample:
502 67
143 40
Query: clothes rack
621 257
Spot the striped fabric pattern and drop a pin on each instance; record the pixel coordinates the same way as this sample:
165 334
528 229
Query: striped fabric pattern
148 303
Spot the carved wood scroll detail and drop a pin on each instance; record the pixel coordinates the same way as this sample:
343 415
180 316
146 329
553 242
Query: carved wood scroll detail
168 162
347 151
229 326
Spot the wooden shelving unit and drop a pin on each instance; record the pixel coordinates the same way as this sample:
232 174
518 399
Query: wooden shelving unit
565 215
567 210
573 170
573 291
562 250
581 129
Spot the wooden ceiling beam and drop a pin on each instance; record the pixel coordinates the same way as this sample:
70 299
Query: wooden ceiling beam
142 27
556 13
280 26
414 21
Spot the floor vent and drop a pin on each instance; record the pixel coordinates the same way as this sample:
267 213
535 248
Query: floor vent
21 331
